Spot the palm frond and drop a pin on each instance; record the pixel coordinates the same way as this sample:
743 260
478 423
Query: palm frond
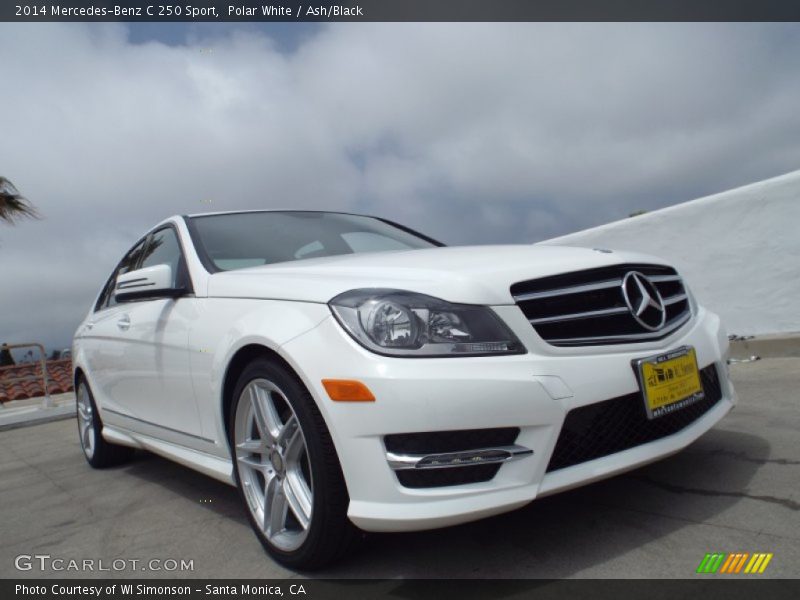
13 205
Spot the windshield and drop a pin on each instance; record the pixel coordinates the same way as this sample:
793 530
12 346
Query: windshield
241 240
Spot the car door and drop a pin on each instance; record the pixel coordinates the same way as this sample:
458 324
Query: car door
155 332
104 340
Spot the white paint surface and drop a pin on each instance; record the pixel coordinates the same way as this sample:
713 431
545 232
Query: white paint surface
739 250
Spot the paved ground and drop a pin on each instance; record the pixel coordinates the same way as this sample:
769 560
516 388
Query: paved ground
736 489
21 413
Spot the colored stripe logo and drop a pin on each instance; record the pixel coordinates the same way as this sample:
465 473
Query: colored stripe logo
735 563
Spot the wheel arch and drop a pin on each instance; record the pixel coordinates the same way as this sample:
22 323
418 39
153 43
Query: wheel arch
77 375
80 366
237 363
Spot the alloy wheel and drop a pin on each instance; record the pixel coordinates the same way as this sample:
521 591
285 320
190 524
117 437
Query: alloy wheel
273 465
85 421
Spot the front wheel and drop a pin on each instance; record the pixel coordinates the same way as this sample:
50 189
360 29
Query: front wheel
287 470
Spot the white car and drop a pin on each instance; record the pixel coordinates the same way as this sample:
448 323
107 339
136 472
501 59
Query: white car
347 373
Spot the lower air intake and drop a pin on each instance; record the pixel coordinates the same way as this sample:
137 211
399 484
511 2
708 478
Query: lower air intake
444 442
603 428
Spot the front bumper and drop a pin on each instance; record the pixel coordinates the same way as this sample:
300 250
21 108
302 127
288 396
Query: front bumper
533 392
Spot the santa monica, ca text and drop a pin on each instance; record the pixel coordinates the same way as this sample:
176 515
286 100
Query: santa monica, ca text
141 589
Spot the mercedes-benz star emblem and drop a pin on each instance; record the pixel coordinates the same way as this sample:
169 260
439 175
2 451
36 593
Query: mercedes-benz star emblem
644 301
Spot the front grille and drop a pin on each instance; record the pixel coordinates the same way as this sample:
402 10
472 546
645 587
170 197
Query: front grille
588 307
437 442
600 429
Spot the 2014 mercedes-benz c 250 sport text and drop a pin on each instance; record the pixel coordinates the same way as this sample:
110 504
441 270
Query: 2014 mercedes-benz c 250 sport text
347 373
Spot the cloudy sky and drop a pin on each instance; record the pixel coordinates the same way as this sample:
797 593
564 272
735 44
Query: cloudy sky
472 133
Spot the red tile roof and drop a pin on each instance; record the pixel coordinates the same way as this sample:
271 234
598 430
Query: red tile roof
59 380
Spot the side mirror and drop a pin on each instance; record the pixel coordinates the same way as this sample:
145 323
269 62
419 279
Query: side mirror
150 282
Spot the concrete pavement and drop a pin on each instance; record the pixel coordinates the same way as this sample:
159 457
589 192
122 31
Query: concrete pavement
31 411
734 490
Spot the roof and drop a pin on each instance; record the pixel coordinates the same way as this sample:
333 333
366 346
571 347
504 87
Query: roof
275 210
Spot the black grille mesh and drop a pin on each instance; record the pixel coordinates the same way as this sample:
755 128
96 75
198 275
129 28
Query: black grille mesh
603 428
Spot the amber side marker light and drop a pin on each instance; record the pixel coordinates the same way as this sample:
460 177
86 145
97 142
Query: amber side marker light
347 390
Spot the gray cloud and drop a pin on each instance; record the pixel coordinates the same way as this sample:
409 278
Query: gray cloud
469 132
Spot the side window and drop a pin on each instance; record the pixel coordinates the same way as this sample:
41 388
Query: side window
164 249
128 263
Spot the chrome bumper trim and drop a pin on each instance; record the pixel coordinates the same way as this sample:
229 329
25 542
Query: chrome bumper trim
465 458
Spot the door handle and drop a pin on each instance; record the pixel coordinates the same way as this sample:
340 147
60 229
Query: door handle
124 322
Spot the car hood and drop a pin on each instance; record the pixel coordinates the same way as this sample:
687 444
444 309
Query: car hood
467 274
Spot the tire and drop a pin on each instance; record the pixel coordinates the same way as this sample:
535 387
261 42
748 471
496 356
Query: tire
286 468
98 452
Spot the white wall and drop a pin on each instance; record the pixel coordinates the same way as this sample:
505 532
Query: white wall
739 251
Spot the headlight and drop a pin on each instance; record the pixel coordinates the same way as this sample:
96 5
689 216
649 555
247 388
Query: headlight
402 323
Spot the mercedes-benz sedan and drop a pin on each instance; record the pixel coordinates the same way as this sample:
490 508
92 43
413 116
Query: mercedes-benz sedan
346 373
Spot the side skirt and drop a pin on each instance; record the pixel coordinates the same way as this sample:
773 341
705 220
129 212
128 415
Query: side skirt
213 466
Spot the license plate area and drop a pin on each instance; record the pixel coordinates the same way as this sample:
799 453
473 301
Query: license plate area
669 381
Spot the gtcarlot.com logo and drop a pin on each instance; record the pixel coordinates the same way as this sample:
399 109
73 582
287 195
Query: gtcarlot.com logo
46 562
735 563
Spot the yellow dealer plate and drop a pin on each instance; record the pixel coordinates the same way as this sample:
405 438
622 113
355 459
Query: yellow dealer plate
669 382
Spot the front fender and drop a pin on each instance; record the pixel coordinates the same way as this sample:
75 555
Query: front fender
228 325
